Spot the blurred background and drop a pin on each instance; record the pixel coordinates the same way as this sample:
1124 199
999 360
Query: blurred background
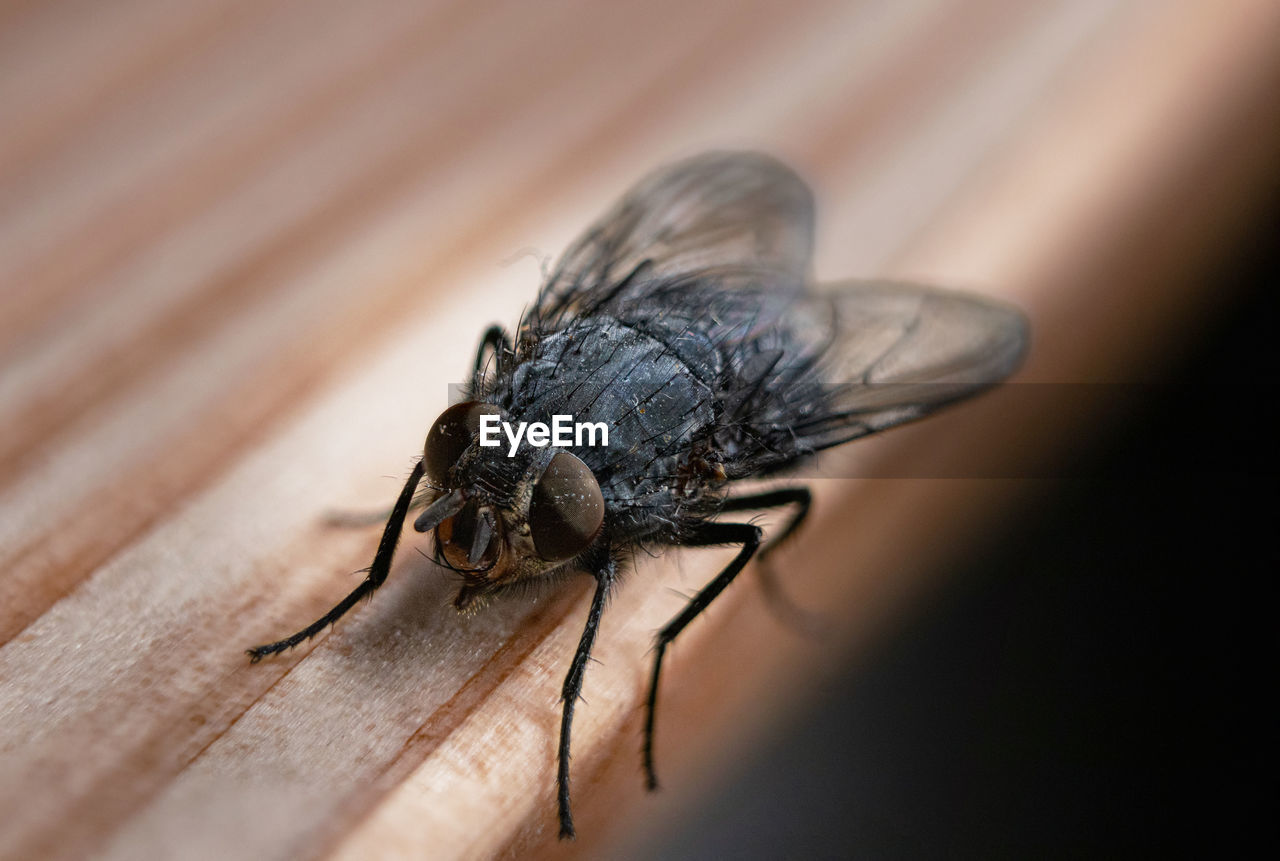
245 247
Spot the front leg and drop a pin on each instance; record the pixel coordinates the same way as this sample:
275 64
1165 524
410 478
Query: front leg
706 535
444 507
572 690
495 340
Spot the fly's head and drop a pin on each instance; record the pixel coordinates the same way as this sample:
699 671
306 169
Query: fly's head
498 519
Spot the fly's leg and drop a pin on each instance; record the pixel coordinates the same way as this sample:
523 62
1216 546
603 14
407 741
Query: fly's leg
787 611
706 535
377 574
494 339
572 691
800 497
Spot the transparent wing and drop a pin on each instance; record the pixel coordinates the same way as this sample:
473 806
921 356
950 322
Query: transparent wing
855 358
713 254
717 212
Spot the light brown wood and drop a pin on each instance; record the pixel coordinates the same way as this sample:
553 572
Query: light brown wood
244 248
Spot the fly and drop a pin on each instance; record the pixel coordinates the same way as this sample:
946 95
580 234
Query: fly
685 321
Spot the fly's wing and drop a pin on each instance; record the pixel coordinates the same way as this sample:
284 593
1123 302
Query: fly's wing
857 358
715 213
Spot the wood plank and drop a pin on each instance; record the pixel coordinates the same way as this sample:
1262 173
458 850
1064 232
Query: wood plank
233 295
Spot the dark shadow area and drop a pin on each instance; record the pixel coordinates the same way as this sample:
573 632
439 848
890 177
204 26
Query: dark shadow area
1093 684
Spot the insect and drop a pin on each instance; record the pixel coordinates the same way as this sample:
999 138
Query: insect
685 321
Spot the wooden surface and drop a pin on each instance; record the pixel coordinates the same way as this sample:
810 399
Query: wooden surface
244 248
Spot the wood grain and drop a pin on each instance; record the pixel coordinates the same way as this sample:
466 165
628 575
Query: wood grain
244 248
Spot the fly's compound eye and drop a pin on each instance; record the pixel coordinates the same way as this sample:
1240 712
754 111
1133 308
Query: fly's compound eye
450 436
567 509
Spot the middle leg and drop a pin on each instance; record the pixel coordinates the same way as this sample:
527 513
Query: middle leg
788 611
707 535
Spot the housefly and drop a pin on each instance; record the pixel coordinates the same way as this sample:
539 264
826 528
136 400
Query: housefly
685 321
